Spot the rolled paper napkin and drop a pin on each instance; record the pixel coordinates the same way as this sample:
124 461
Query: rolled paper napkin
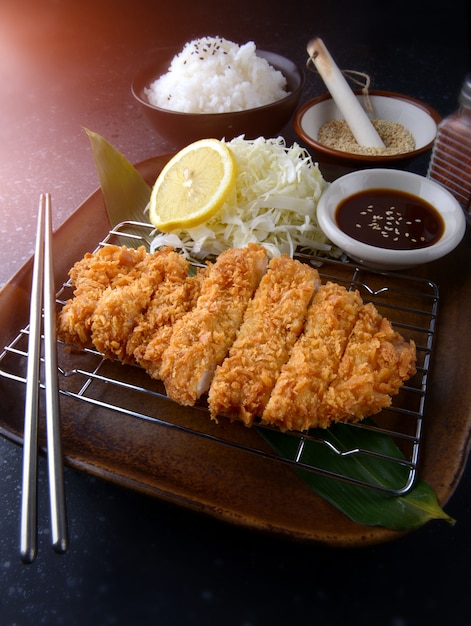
347 102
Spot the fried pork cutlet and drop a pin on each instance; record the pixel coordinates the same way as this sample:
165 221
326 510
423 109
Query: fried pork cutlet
121 306
272 322
295 402
202 338
91 276
172 273
376 362
150 338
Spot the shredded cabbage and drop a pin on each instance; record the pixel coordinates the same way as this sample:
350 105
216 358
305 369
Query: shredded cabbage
273 204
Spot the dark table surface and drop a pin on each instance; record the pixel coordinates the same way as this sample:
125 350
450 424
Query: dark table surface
66 65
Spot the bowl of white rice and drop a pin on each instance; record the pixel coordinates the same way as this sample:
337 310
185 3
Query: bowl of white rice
406 125
213 87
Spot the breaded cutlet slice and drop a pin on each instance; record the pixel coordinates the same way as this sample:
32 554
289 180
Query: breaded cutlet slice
151 337
201 339
173 273
272 322
90 277
295 401
376 363
120 306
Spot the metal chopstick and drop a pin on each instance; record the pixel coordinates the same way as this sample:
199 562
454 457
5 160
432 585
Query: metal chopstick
30 452
42 295
54 445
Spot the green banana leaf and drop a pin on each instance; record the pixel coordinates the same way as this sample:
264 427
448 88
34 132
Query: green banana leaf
126 195
365 505
125 192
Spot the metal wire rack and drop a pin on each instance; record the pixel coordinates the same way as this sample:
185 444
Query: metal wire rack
410 303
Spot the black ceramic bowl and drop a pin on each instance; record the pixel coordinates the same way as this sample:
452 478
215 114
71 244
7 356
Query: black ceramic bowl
184 128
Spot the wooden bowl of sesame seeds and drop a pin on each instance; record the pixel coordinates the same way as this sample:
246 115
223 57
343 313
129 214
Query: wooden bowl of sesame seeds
406 125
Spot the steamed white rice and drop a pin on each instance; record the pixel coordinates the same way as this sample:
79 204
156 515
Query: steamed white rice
214 75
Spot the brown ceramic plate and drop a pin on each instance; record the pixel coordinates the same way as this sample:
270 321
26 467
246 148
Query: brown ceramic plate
224 481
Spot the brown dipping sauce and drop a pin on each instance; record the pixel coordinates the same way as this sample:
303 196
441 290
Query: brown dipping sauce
388 218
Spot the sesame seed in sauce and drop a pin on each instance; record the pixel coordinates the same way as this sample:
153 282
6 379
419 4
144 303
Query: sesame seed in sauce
393 219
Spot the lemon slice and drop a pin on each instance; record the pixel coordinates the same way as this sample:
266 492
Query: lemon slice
192 186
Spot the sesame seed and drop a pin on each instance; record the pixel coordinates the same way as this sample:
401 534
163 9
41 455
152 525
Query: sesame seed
337 134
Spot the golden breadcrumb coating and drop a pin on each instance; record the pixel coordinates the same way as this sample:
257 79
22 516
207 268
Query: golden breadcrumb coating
151 336
202 338
375 364
296 398
121 306
272 322
90 276
275 345
172 272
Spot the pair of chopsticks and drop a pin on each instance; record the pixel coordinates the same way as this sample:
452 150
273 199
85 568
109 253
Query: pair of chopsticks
42 297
